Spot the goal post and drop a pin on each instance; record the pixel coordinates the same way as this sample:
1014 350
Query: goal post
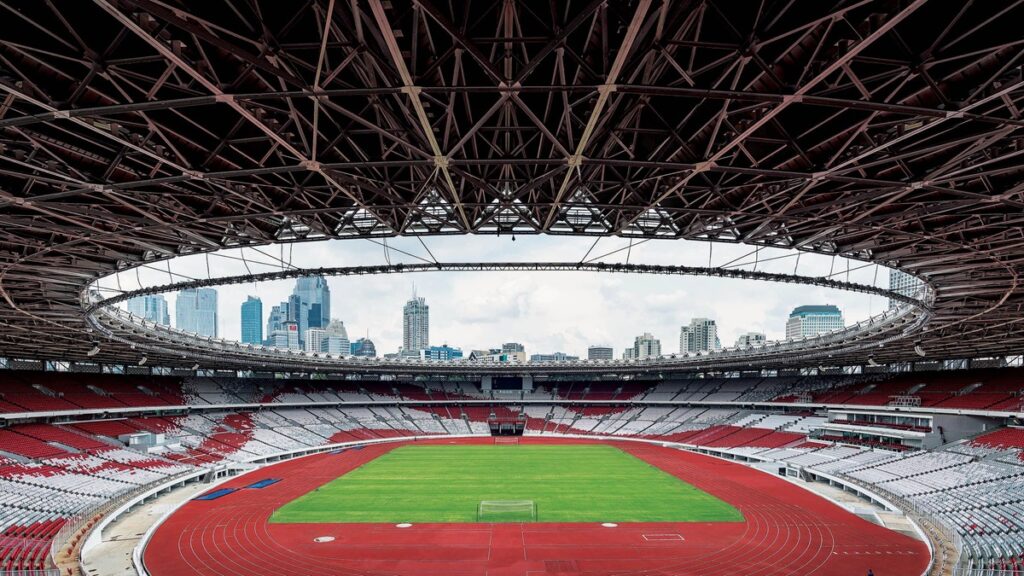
506 511
507 440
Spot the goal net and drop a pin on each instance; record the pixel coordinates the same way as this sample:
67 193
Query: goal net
506 511
507 440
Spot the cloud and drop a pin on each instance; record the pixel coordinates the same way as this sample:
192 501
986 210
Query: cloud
547 311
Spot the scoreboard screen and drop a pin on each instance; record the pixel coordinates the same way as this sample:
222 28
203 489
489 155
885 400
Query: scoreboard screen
507 383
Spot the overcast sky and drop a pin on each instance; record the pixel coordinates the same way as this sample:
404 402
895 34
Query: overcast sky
546 311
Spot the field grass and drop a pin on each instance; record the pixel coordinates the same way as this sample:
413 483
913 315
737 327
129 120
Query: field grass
571 483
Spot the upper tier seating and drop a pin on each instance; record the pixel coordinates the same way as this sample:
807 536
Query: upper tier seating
27 446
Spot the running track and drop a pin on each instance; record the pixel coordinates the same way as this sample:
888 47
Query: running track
788 530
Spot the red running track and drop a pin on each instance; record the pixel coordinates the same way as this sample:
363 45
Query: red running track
787 530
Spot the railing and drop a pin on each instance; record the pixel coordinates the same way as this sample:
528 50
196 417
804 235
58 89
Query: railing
77 527
942 564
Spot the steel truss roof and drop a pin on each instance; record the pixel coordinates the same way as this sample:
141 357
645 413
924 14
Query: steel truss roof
136 130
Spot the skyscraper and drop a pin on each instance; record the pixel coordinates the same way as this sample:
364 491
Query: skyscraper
902 283
415 326
701 335
364 347
813 320
315 296
299 314
287 336
278 316
252 321
195 310
336 343
600 353
315 339
152 308
309 306
644 346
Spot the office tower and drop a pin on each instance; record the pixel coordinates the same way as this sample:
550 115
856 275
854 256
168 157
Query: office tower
440 353
336 342
513 351
902 283
315 296
813 320
314 340
152 308
364 347
275 321
252 321
195 311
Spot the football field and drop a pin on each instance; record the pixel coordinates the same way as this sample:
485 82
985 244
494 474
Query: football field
564 483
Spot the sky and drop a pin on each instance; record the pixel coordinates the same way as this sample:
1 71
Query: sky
546 311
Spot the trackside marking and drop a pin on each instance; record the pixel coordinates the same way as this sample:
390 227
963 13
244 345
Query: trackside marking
663 537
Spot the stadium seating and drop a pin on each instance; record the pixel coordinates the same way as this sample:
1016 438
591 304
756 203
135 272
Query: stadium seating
50 473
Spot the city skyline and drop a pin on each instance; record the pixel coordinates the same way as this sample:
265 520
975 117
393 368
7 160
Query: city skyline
578 309
698 335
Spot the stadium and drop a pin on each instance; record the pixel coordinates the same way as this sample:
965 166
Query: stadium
861 149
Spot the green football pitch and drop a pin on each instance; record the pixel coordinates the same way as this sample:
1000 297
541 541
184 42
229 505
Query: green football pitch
568 483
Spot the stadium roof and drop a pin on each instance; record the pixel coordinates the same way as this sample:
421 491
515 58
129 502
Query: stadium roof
133 131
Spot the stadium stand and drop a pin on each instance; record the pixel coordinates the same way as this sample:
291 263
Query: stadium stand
52 472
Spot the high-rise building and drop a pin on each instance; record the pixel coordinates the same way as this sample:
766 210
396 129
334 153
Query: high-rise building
252 321
440 353
298 312
286 337
415 326
314 340
315 295
701 335
152 308
309 306
195 310
513 351
902 283
644 346
364 347
554 357
336 343
750 339
600 353
275 322
812 320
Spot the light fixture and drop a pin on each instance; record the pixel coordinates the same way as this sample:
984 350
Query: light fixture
919 350
143 360
95 350
195 366
871 361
